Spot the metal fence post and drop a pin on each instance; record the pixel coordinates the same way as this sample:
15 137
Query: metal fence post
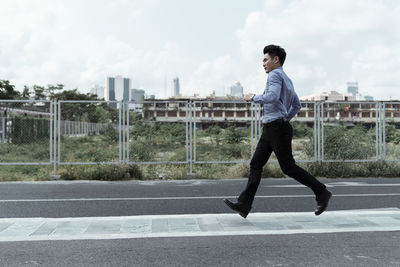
59 133
377 131
320 126
383 131
381 128
187 130
123 131
3 129
119 134
315 132
55 136
51 131
194 132
322 132
252 128
191 139
127 133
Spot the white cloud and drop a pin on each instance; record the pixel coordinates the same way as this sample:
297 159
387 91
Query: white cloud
211 75
79 43
330 42
45 45
137 12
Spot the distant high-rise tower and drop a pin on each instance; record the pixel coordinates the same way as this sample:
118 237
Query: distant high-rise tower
137 95
98 90
236 89
352 88
176 86
117 88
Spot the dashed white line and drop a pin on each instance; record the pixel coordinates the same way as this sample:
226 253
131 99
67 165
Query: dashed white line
185 198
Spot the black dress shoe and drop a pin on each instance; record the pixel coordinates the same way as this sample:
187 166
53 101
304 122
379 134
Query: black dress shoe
322 201
240 208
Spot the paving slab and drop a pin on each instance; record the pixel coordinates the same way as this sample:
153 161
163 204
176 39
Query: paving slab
219 224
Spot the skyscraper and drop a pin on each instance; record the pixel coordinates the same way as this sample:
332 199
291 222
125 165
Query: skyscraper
352 88
236 89
176 87
98 90
117 88
137 95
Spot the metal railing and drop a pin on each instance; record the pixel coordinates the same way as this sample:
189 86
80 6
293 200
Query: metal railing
115 139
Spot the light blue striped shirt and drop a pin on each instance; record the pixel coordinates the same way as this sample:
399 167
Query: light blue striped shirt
279 99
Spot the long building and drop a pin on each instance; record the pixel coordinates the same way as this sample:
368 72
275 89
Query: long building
210 111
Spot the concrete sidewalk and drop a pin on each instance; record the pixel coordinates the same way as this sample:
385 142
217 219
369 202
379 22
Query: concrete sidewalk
25 229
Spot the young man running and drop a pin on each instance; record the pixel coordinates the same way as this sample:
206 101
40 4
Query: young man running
280 105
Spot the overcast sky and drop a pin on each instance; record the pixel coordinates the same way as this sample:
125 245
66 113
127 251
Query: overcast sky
208 44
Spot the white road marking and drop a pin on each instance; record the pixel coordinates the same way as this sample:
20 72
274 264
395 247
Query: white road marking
339 184
190 225
184 198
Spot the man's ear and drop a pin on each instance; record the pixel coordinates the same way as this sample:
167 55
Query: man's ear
276 60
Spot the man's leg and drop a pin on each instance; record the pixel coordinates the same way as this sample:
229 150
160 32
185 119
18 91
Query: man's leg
259 159
281 141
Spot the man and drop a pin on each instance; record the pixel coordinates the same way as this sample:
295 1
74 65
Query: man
280 105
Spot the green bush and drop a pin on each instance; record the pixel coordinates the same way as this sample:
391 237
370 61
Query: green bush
141 151
301 130
111 135
173 133
392 134
234 135
88 149
351 169
213 132
233 151
102 172
35 152
25 172
341 143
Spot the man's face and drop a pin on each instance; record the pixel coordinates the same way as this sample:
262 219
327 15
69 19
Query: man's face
270 64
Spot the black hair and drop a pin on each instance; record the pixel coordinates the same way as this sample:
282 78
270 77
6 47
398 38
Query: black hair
275 50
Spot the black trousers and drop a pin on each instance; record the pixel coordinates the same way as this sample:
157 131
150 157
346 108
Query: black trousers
277 137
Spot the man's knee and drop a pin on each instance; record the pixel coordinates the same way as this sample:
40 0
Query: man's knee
256 165
289 168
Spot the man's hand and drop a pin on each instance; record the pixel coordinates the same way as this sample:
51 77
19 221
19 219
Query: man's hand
248 97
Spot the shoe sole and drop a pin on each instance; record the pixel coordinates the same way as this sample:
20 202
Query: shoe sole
325 207
244 215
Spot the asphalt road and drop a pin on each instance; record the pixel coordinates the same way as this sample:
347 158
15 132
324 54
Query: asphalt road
61 199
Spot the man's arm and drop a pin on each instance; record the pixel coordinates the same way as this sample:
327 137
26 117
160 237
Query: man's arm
274 85
294 107
248 97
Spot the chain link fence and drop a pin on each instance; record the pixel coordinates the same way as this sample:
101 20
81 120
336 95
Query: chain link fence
189 132
158 134
350 131
223 131
26 135
89 132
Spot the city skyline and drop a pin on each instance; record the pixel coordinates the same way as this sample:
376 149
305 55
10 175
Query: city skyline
328 44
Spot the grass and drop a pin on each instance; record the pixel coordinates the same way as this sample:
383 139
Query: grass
100 148
35 152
